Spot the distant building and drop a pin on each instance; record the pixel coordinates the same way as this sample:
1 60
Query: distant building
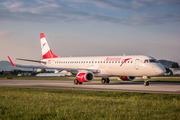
176 71
51 74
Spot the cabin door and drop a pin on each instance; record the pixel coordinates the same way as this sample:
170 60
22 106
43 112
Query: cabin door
136 65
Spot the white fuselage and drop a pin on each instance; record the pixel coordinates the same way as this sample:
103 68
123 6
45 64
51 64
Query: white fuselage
111 65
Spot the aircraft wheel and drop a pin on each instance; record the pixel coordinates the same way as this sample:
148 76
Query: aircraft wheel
76 81
107 80
146 83
103 80
80 82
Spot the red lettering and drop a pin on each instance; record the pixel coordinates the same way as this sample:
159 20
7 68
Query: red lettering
112 59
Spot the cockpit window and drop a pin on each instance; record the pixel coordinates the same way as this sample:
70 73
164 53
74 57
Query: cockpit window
145 61
153 61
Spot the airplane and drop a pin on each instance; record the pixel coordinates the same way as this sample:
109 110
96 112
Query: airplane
86 68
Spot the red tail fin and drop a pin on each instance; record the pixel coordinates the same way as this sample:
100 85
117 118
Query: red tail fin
46 51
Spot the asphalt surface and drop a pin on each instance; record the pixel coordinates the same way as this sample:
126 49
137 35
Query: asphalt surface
154 87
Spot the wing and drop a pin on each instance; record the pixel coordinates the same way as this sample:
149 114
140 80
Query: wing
30 60
54 68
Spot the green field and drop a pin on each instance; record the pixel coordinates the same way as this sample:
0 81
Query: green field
19 103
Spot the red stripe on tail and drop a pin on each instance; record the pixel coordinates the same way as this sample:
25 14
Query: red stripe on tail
49 54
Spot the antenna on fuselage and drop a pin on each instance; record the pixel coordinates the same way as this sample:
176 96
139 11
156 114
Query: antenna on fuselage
124 54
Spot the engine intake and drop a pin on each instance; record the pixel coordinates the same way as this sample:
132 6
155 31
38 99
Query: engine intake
85 76
127 78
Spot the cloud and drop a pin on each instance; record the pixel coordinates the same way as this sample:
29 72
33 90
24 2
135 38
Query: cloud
126 12
39 7
149 19
124 4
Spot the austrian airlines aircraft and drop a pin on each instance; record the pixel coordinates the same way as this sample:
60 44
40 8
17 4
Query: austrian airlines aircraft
86 68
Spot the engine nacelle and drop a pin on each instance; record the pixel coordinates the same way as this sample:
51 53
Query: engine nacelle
85 76
127 78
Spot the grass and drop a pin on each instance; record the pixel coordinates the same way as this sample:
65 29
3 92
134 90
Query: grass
19 103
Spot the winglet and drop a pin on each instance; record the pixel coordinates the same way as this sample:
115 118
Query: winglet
11 61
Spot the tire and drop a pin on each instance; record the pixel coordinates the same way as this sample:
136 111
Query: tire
146 83
76 81
103 81
80 82
107 80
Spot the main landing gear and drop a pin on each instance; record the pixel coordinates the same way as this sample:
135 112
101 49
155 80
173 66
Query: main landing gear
146 82
105 80
77 82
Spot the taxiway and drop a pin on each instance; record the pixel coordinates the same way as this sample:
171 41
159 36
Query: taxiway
154 87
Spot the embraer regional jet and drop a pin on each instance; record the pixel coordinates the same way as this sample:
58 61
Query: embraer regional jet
86 68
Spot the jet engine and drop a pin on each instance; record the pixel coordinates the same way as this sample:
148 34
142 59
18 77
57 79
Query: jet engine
85 76
127 78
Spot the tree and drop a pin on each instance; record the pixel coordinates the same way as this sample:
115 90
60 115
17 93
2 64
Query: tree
175 65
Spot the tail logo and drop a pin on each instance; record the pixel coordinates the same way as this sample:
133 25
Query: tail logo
43 45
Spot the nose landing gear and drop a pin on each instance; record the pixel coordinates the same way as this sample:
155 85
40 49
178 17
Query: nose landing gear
146 82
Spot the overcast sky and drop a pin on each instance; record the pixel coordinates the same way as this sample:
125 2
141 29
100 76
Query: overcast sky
90 28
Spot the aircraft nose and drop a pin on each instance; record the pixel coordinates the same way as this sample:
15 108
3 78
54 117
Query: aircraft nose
162 70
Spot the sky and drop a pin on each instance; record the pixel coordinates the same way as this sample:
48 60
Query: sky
90 28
